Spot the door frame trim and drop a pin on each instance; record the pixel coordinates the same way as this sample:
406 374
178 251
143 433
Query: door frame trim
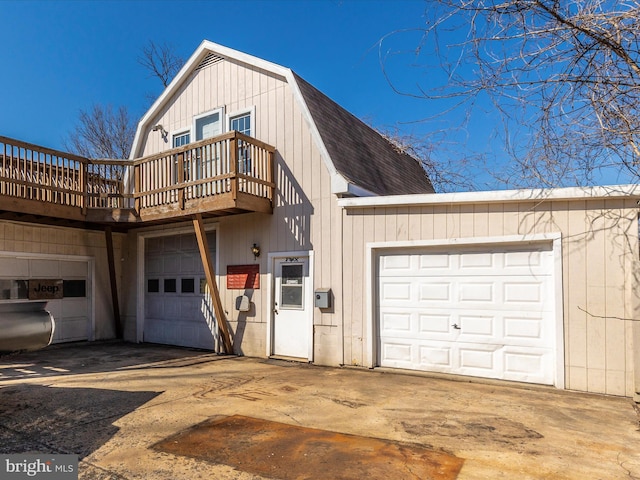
271 263
373 250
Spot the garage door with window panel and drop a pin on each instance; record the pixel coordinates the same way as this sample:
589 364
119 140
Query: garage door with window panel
72 312
482 312
178 310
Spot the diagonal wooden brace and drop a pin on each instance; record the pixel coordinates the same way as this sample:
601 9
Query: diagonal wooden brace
209 273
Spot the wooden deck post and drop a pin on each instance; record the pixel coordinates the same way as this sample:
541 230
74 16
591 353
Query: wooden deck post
136 187
181 180
269 178
84 188
209 273
114 283
233 167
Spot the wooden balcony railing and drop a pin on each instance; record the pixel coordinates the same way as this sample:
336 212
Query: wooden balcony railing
31 172
231 172
224 171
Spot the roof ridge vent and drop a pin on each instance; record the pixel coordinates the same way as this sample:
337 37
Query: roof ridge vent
210 59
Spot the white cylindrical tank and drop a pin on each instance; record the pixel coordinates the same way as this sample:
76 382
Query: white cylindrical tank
25 326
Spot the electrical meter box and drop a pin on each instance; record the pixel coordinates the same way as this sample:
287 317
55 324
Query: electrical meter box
243 304
323 298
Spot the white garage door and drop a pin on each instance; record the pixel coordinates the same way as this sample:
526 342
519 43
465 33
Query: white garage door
486 313
177 311
71 313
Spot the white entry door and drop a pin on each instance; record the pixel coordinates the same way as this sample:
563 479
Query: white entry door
292 307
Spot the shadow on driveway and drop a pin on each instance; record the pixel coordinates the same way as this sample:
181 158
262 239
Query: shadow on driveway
41 419
110 356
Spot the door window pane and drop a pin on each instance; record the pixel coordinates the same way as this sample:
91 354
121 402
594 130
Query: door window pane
153 285
208 126
74 288
169 285
187 285
291 288
13 289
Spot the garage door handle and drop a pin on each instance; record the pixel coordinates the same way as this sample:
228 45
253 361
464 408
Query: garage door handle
455 325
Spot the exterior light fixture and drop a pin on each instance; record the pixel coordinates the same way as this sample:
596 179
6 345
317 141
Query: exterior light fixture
255 250
162 131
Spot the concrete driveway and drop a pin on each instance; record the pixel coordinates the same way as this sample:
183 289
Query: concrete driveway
113 404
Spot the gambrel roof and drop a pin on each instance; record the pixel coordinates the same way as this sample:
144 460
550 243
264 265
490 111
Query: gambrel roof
360 161
358 152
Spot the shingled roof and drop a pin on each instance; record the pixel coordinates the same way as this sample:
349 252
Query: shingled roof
359 153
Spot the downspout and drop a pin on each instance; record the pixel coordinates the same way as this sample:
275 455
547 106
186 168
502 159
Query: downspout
342 214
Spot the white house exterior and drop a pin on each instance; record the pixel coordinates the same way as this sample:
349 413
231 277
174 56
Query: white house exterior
356 261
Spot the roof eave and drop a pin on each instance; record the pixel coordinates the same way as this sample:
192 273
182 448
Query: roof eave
497 196
341 187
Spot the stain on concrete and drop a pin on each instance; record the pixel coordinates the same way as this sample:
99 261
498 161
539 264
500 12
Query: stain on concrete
348 403
289 452
489 429
215 385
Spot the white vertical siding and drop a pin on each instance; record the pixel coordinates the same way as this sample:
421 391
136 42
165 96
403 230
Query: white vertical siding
305 217
599 268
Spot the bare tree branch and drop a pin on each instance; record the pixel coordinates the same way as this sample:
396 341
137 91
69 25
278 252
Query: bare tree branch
444 175
565 76
102 132
161 61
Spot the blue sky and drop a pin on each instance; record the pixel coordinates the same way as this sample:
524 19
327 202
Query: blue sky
59 57
62 56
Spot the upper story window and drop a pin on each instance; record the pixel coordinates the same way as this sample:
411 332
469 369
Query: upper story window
211 124
241 123
180 139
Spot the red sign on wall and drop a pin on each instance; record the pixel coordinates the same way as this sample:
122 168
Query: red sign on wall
240 277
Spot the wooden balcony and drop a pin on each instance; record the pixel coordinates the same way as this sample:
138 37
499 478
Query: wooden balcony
223 175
